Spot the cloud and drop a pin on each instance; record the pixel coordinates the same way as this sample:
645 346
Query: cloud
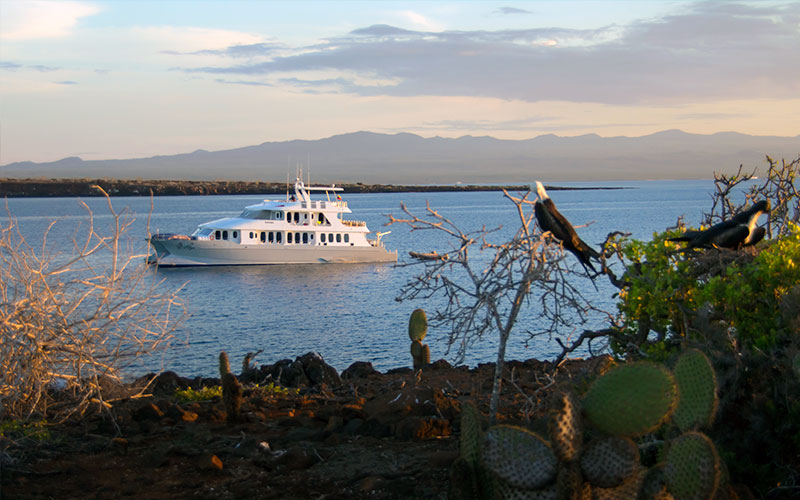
28 20
511 11
530 123
66 82
11 66
706 51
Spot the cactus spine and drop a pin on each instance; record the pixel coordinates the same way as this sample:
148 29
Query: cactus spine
417 329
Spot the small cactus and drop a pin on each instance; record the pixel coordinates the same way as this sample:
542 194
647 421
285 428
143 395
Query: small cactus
231 389
417 329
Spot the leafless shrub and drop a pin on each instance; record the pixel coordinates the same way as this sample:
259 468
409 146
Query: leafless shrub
486 295
779 186
72 319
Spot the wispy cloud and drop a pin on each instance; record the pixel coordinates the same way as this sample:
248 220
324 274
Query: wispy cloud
12 66
511 11
710 50
42 19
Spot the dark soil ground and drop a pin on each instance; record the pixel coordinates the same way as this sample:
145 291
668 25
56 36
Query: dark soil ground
361 434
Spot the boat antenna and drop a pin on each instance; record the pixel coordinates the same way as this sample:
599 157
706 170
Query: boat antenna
287 185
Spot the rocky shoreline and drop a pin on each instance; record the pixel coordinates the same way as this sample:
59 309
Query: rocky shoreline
26 188
305 431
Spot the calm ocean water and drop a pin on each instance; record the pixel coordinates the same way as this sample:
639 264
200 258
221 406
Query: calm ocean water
348 313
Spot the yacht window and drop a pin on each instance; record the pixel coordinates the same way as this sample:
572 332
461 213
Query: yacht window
322 238
338 238
251 235
216 234
263 237
296 217
271 237
288 237
330 237
347 238
321 218
288 216
278 215
278 237
235 234
305 238
224 235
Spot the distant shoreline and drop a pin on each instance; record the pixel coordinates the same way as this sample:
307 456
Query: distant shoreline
32 188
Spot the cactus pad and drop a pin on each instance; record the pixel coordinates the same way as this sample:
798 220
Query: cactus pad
697 387
654 487
631 399
506 491
519 457
566 427
224 364
569 483
693 470
625 491
610 461
416 349
418 325
470 439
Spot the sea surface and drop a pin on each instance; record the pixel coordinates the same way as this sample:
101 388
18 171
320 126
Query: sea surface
345 312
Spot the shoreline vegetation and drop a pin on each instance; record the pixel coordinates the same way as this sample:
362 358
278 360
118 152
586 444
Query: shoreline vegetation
30 188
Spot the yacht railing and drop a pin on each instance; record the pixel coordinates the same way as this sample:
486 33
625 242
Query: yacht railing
354 223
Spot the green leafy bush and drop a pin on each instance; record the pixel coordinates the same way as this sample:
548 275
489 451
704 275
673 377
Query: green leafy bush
674 295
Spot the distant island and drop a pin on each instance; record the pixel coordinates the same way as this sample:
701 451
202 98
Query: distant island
29 188
403 159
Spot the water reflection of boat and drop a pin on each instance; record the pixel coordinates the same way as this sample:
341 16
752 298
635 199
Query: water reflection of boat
297 230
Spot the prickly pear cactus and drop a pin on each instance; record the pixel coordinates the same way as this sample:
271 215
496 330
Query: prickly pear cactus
418 325
566 426
470 439
519 457
420 354
506 491
654 487
692 469
417 329
231 389
626 491
697 387
570 484
224 364
608 462
631 399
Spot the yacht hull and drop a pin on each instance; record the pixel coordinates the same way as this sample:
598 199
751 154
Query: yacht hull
186 252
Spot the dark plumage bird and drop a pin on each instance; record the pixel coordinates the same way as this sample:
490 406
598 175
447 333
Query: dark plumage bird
550 219
736 232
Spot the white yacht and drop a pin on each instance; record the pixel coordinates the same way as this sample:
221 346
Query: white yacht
297 230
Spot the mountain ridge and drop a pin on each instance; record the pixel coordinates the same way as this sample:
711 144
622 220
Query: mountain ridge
374 157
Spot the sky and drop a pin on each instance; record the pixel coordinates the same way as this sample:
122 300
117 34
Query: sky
127 79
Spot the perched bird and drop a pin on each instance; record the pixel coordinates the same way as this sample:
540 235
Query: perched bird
736 232
550 219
